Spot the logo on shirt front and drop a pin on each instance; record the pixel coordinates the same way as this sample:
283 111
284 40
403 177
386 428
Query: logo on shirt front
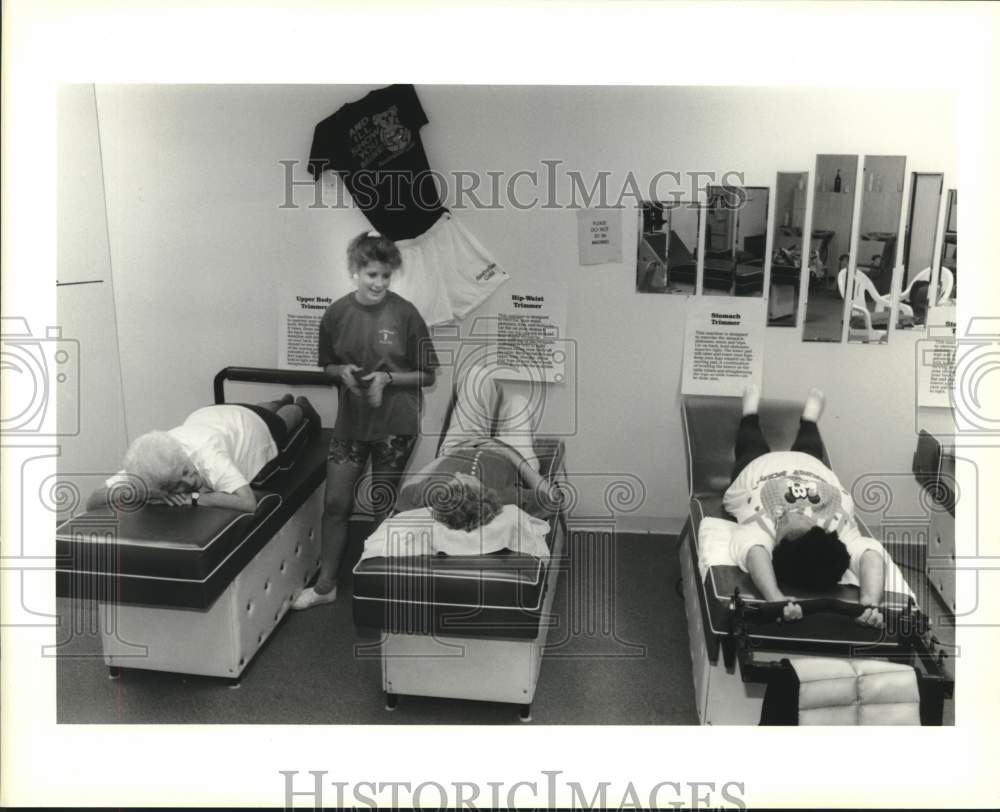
797 491
395 137
386 336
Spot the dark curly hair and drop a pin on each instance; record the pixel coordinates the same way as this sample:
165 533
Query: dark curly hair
465 505
370 246
815 560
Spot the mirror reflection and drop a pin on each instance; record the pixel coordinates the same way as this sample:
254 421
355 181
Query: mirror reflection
735 240
786 249
881 205
667 260
948 272
918 243
829 245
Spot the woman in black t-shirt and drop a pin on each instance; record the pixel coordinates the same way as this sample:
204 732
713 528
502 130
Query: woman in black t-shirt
375 346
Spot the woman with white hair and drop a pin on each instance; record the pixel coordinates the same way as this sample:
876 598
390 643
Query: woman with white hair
211 458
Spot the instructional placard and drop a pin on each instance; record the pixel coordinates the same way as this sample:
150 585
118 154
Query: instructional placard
529 342
600 235
299 315
723 345
936 359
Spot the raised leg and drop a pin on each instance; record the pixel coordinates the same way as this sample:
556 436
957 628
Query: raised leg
808 439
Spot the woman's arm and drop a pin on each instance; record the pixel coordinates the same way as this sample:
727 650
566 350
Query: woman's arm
381 379
871 579
762 572
343 373
243 499
98 498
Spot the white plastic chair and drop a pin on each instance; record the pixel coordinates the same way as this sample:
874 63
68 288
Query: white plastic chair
946 284
859 306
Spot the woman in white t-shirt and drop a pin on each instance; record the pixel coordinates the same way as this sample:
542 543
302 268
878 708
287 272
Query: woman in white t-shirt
211 458
796 521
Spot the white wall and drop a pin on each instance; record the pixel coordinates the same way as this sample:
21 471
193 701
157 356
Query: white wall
200 247
85 300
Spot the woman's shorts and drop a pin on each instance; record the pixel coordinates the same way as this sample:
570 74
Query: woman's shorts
446 273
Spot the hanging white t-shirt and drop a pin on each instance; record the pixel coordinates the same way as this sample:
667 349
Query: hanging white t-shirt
228 444
791 482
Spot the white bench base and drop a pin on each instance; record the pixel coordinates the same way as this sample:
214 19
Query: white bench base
222 640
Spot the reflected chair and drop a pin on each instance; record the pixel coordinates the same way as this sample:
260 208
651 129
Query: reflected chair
946 284
870 327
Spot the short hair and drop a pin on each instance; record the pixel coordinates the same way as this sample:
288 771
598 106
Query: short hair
463 505
815 560
370 246
156 458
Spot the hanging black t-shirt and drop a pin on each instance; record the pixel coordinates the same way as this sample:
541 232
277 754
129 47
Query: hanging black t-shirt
374 145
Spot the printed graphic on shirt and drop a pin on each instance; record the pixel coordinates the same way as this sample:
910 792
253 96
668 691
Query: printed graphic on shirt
395 136
379 138
798 491
387 337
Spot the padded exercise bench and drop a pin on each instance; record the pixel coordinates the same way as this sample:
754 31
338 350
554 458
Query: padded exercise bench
464 627
199 590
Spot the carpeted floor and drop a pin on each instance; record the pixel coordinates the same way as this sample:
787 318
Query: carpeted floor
619 655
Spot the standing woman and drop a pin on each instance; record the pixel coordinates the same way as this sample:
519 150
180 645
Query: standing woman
376 346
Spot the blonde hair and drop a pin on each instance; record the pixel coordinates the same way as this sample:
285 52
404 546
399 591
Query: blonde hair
157 459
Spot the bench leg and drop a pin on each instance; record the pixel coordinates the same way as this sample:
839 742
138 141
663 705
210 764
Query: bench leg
525 713
234 682
114 671
390 701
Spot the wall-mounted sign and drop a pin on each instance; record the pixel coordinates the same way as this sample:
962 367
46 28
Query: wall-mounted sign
600 235
723 345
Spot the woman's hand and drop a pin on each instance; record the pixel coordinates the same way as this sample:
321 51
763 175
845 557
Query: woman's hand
377 383
872 616
791 612
175 499
347 376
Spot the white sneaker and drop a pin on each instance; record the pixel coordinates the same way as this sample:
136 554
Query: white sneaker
310 597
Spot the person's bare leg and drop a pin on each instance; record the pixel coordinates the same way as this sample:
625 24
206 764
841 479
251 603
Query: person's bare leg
475 405
274 405
514 426
290 415
338 502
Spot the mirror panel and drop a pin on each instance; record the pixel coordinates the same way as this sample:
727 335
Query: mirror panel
948 286
667 259
786 249
878 238
830 246
735 240
918 243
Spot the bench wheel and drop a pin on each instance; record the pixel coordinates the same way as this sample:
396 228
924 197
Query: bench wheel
390 701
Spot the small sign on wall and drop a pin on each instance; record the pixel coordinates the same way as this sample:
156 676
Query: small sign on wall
723 345
299 315
600 235
529 343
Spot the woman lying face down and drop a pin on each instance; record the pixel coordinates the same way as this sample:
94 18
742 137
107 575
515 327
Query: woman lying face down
211 458
796 520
